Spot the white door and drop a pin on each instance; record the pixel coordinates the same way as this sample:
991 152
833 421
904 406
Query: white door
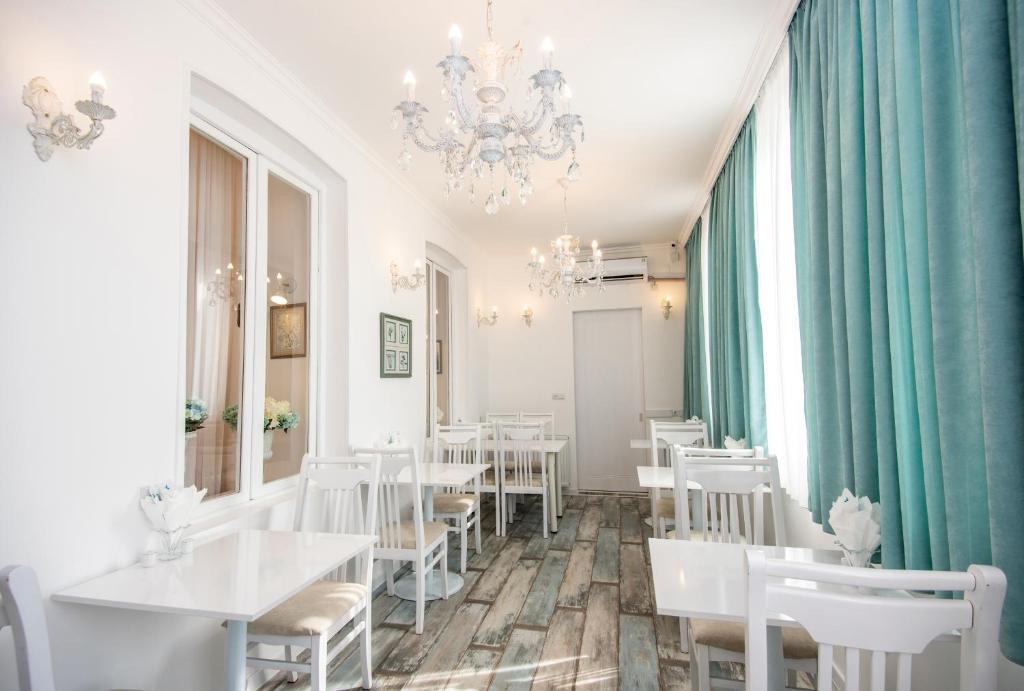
609 395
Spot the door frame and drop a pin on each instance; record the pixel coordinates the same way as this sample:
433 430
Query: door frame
574 466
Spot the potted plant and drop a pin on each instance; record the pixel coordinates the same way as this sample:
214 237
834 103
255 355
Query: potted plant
277 415
196 413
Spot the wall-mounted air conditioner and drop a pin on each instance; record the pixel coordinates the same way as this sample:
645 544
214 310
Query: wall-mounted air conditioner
625 269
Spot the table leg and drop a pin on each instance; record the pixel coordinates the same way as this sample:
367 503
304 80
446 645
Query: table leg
776 668
553 491
235 667
405 587
428 503
561 495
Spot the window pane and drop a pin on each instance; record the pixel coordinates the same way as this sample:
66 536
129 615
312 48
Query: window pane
286 420
428 334
216 244
442 345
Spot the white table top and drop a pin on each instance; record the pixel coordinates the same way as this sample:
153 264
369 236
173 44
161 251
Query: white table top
447 474
239 576
659 478
549 445
707 580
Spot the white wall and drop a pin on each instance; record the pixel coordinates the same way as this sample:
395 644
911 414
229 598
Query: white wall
92 242
528 366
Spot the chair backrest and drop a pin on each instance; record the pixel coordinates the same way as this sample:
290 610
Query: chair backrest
457 444
546 419
502 417
22 610
520 452
855 608
338 483
731 496
399 468
680 433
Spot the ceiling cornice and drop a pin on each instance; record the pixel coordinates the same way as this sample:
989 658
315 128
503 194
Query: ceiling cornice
761 60
214 16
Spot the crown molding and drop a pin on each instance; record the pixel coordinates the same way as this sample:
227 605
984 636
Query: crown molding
214 16
761 60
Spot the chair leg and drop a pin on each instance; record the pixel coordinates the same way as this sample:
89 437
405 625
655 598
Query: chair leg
421 592
701 660
443 565
464 536
292 676
318 664
684 635
479 542
499 528
366 652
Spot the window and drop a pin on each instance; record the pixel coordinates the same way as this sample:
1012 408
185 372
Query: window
438 335
250 372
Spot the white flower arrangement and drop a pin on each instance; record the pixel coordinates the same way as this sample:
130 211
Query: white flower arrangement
857 523
276 415
168 509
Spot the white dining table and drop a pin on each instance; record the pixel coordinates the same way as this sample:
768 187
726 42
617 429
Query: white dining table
237 578
432 476
707 580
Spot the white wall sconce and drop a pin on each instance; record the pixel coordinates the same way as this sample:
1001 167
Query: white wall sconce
52 127
490 320
666 306
411 282
527 315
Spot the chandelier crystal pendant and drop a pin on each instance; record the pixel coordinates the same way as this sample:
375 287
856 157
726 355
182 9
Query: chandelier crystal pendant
478 140
567 276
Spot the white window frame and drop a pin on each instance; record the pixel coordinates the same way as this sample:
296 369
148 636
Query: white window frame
262 159
433 268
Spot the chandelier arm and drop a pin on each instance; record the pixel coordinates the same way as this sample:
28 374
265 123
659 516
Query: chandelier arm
432 144
465 113
539 116
554 155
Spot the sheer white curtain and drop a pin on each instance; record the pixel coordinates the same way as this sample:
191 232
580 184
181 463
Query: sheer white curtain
776 284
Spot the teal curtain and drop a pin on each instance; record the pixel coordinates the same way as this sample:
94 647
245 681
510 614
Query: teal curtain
910 270
695 389
734 319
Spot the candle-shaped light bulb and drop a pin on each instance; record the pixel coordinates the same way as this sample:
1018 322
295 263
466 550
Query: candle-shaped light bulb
455 39
98 85
558 243
533 252
494 310
410 86
597 253
547 50
231 266
416 264
279 276
566 98
593 244
541 259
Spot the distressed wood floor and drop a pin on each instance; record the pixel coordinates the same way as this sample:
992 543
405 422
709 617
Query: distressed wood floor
573 611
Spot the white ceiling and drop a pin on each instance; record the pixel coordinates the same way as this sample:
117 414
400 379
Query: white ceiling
659 83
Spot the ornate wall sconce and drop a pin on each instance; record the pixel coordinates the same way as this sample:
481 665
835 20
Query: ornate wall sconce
666 306
490 320
527 315
52 127
411 282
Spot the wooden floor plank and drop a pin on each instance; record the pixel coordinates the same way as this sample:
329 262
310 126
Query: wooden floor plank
667 631
540 603
638 656
576 583
410 652
537 547
474 669
561 650
633 580
575 501
606 558
496 627
589 523
675 677
349 672
518 663
631 525
599 648
568 524
491 581
610 509
437 667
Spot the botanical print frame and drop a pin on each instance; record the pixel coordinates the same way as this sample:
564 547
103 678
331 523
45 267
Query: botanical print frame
289 330
395 346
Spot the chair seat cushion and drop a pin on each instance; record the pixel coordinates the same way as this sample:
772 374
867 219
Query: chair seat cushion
313 611
431 531
666 507
535 481
454 503
797 644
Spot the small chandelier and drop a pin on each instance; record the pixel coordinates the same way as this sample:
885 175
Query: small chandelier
493 139
567 275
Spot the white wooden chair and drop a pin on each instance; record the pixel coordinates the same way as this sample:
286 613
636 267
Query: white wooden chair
404 537
672 434
494 418
330 499
459 444
21 608
521 465
545 419
732 511
849 607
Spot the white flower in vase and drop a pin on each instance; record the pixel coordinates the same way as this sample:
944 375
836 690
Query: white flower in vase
856 522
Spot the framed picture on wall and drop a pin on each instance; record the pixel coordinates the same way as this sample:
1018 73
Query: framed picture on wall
395 346
288 331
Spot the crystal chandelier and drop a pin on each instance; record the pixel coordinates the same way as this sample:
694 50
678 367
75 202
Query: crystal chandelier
567 275
477 141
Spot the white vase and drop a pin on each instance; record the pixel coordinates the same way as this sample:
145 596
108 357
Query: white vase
268 444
